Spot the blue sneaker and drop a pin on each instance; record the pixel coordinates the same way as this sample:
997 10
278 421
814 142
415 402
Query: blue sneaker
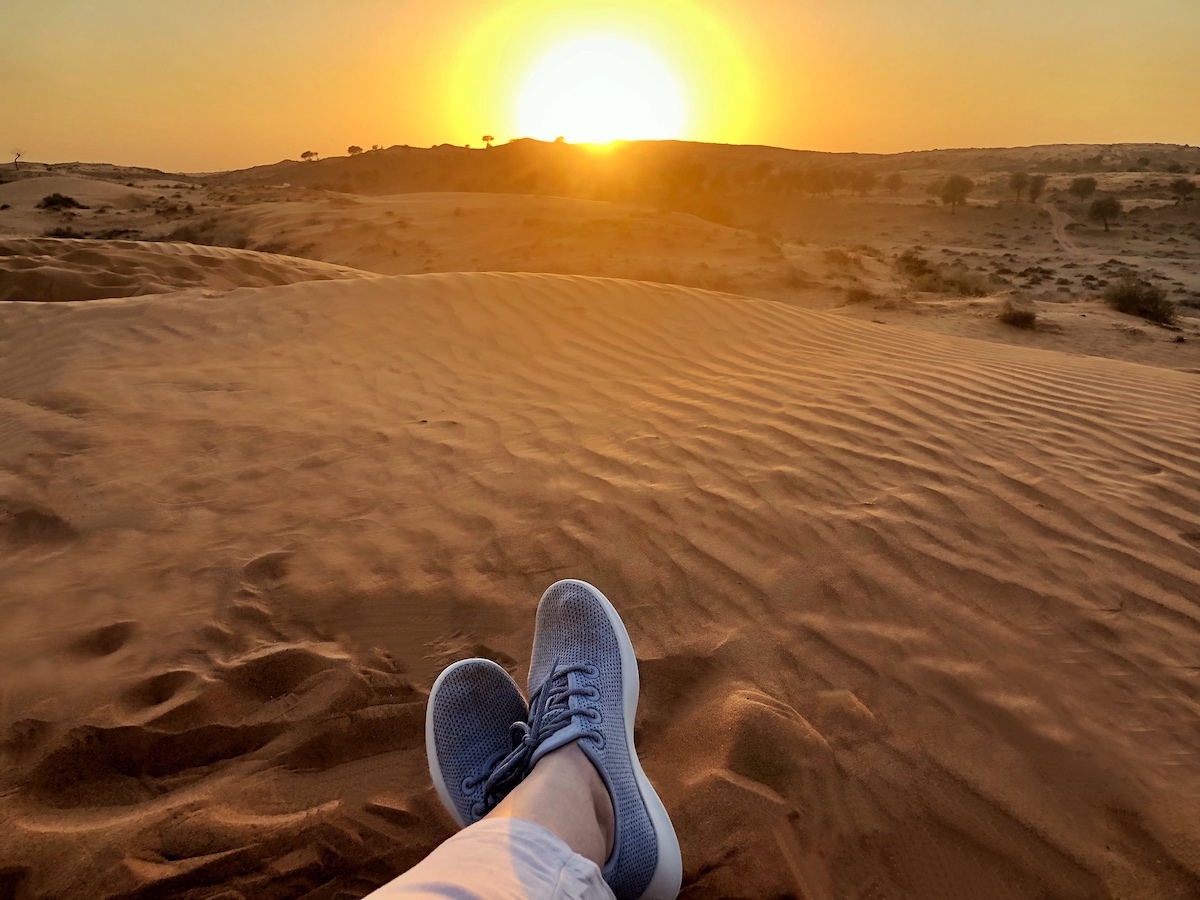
583 686
474 719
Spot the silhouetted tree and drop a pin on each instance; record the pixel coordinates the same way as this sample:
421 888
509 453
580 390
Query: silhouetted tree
1082 188
1105 210
17 154
487 140
1037 184
354 150
955 190
894 182
1017 182
308 155
864 182
377 146
1183 188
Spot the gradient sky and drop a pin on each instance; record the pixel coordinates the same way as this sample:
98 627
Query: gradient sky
214 84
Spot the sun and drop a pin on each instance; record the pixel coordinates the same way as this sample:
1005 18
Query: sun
598 89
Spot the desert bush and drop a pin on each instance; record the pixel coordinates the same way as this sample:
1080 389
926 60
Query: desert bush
63 232
1082 188
840 259
908 263
955 190
1018 314
1037 184
1018 182
5 206
1104 210
59 201
859 294
1139 298
1183 188
929 277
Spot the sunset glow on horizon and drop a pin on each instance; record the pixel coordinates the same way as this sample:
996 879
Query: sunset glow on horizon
221 85
600 89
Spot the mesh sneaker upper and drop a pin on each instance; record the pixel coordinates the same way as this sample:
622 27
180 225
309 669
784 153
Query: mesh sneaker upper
472 710
574 634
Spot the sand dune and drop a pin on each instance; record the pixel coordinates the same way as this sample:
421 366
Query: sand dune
51 269
465 232
29 192
916 615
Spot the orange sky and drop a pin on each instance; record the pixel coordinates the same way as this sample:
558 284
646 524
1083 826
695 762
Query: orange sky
228 83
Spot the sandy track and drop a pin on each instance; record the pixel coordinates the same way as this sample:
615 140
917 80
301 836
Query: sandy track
1059 221
917 616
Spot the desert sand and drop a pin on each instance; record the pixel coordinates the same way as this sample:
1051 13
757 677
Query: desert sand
915 600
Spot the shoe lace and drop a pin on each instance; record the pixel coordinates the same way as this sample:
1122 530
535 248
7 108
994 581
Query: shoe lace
549 712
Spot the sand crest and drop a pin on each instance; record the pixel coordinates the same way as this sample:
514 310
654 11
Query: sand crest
916 615
53 269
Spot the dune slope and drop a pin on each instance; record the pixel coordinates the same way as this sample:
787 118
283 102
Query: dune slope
58 269
917 616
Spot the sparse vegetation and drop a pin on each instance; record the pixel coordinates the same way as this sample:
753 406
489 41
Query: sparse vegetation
354 150
1183 188
933 278
62 231
57 201
1082 187
1018 182
1037 184
1018 314
1140 298
309 155
859 294
488 140
955 191
1105 210
894 182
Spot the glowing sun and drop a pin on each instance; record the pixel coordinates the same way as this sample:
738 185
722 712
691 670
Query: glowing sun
599 89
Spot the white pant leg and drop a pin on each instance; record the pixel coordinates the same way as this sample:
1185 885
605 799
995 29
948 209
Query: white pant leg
498 859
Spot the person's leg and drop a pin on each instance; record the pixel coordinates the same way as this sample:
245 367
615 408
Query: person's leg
565 795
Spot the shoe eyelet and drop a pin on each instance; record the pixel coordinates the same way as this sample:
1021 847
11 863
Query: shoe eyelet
593 693
597 739
592 672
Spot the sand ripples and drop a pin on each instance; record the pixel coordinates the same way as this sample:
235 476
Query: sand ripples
915 613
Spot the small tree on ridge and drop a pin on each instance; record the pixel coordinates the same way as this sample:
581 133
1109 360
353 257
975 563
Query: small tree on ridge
1105 210
1183 189
955 190
1037 184
1017 182
354 150
1082 188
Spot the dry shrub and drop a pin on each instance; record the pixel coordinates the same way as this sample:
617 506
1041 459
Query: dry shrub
859 294
1018 314
1139 298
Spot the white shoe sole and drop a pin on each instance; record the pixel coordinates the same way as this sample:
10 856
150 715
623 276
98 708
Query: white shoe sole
668 874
